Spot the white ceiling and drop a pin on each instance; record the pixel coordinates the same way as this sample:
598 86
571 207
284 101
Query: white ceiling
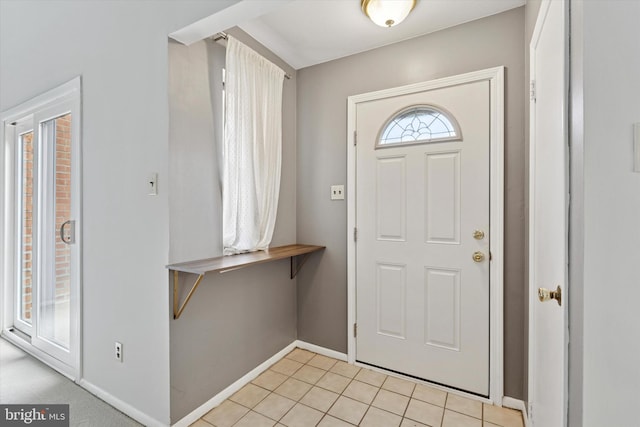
309 32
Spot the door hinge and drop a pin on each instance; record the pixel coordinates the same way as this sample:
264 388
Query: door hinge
532 91
355 138
355 234
355 330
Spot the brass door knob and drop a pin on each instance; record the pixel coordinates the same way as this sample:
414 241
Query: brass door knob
545 294
478 256
478 234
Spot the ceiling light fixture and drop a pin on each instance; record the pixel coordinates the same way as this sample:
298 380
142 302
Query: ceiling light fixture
387 13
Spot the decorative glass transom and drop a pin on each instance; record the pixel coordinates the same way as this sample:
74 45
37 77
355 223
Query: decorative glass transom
418 125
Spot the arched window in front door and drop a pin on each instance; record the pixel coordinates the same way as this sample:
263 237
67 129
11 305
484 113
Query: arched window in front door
418 125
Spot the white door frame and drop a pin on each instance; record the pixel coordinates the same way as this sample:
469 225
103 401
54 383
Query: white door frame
495 77
68 94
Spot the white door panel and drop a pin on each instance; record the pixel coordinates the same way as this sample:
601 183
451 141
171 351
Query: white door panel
422 301
391 291
442 301
548 218
391 198
442 204
53 309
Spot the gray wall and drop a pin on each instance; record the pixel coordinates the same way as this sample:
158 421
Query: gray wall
237 320
322 93
195 214
576 219
609 290
120 50
531 16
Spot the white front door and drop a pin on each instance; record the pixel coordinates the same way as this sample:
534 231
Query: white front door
548 333
423 217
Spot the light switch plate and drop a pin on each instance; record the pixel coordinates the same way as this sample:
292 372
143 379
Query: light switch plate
636 147
337 192
152 184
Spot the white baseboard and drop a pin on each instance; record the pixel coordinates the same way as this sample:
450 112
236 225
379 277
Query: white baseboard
510 402
321 350
120 405
229 391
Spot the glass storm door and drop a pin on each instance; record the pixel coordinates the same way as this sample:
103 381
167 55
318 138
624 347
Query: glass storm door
47 253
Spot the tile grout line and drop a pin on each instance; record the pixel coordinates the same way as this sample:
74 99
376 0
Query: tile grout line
444 409
341 394
302 397
409 402
373 400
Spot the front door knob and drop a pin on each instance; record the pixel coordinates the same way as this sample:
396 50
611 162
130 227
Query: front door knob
545 294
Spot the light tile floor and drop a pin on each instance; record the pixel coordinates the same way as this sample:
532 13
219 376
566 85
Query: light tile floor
306 389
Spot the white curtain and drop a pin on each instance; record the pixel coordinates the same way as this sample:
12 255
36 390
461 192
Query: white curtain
252 149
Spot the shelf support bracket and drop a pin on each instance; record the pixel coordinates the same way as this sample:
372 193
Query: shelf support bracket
299 262
177 311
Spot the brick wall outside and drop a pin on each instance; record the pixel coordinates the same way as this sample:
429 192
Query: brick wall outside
63 205
62 214
27 223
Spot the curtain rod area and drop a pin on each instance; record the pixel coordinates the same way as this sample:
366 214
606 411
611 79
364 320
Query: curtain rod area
223 36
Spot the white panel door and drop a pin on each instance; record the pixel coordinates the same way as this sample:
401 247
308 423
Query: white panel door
422 300
548 218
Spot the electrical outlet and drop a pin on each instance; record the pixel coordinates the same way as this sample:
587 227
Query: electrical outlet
337 192
118 353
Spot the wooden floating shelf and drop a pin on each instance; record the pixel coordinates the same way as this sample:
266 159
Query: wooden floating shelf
225 264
